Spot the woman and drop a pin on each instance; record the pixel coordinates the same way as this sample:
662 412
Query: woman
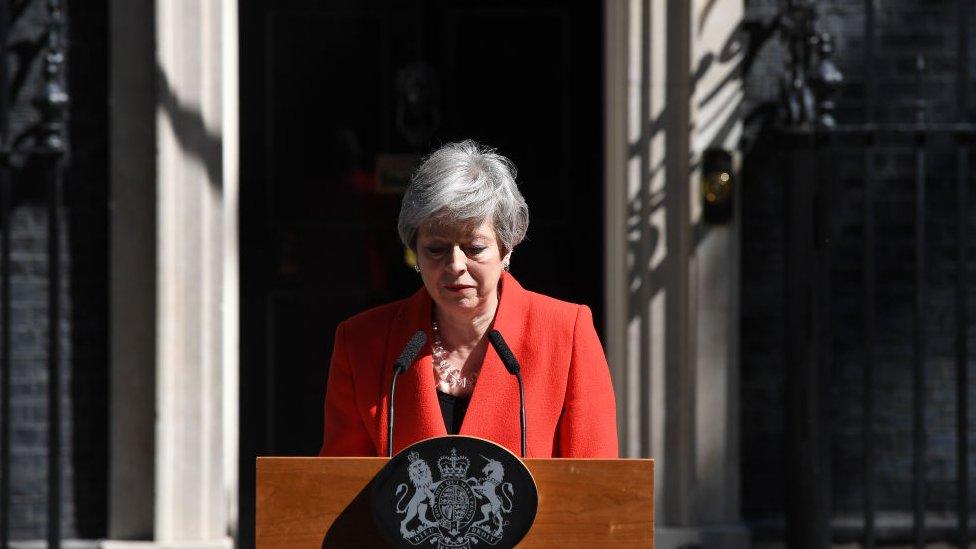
463 215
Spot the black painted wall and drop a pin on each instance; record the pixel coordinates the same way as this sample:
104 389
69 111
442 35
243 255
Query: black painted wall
905 28
84 279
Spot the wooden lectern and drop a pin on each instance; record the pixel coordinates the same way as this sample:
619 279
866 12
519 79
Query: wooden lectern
324 502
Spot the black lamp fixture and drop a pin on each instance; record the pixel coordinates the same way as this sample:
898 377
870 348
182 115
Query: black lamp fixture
717 186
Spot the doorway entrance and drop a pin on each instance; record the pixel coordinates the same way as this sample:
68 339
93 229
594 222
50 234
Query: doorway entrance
339 101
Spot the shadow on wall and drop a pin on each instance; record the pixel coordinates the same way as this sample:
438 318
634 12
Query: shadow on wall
715 91
190 129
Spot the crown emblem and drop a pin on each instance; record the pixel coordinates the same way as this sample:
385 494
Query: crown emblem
453 466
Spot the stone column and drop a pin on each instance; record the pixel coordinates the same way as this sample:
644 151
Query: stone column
176 213
717 94
672 291
193 247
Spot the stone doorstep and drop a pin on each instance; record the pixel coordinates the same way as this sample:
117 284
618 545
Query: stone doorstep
892 529
714 536
897 526
222 543
65 544
935 545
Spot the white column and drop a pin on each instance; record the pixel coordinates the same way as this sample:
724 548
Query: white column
173 474
671 288
196 272
230 306
715 112
680 482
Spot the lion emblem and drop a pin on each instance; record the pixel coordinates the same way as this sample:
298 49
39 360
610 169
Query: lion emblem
423 496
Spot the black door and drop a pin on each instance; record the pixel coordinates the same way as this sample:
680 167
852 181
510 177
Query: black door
338 102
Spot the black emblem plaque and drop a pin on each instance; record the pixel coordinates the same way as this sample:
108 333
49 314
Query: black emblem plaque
454 492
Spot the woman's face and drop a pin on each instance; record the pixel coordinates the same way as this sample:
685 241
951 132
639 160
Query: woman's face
460 266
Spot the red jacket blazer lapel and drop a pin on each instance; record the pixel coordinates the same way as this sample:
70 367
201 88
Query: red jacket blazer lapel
418 413
569 396
493 412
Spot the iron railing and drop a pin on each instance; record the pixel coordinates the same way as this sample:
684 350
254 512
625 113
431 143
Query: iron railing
812 136
45 143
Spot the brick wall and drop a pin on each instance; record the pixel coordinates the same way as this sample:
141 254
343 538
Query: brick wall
83 330
905 28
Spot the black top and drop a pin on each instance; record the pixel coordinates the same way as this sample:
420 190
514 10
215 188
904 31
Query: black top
453 409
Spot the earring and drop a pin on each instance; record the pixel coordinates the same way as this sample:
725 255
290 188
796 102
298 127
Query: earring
505 265
416 268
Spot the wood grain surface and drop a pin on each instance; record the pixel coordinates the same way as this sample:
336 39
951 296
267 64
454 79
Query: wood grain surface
324 502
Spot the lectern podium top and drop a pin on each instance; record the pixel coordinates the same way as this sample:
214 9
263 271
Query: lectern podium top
325 502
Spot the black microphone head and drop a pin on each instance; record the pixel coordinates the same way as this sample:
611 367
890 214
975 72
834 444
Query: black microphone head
508 358
410 352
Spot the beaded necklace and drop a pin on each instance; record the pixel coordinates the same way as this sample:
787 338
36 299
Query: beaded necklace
446 371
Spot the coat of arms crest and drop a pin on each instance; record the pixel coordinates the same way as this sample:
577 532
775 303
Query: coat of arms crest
456 510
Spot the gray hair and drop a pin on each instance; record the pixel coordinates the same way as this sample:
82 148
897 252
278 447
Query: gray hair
463 183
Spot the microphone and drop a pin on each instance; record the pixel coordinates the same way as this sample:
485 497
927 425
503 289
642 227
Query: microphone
512 365
400 365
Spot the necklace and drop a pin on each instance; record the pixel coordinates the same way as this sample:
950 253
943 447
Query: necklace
446 371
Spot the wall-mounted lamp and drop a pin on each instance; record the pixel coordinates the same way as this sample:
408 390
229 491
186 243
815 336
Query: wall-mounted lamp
716 186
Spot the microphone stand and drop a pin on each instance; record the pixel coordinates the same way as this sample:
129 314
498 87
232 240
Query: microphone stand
513 367
406 358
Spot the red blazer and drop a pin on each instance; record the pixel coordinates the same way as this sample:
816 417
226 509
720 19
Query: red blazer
570 410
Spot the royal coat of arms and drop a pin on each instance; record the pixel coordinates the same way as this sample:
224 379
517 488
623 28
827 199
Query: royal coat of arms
457 510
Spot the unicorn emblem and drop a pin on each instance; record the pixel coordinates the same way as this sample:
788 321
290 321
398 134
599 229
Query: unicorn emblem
491 519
